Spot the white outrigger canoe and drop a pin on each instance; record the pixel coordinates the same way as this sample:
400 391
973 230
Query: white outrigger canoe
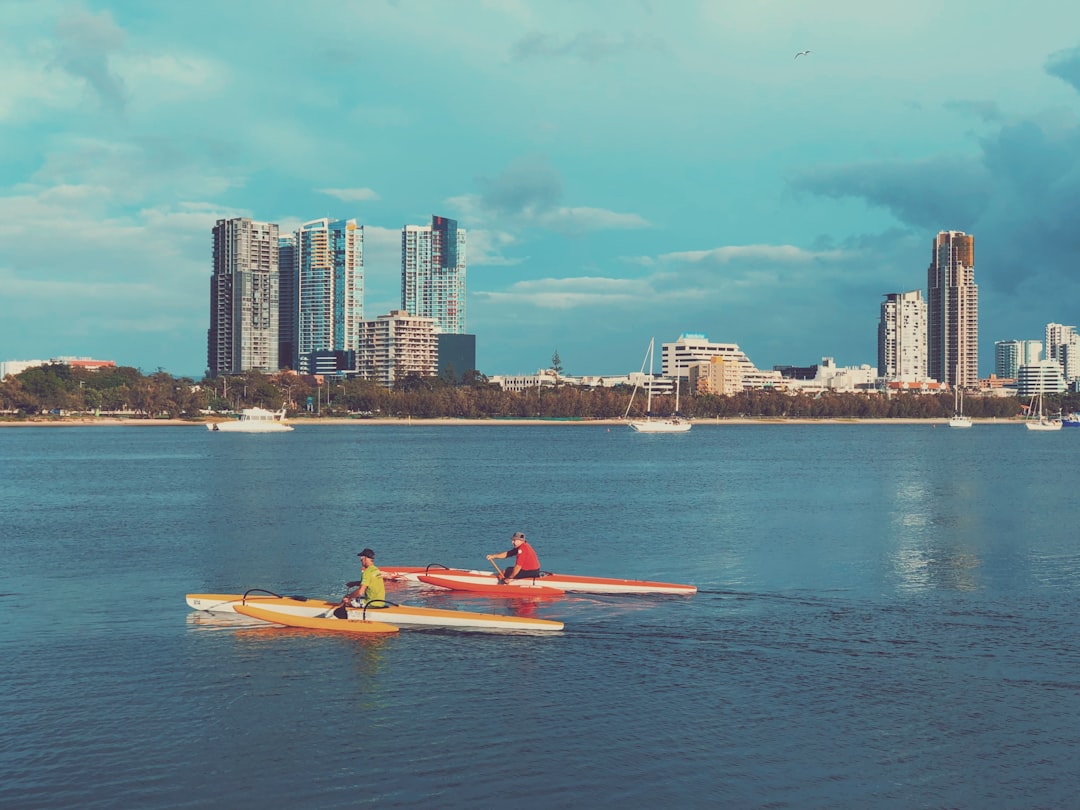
392 613
563 582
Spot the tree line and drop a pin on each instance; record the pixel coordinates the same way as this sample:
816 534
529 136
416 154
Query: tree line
61 389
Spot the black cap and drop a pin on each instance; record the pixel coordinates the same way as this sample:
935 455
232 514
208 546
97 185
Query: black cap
367 552
518 536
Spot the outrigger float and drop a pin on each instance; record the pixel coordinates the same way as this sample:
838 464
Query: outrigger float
386 612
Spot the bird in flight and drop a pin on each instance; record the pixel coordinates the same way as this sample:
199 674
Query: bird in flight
802 53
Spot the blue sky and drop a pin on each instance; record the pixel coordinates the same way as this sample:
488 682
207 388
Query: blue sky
624 169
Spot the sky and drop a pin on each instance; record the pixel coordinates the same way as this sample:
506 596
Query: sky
625 169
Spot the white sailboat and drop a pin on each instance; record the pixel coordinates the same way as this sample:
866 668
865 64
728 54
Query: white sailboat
958 419
672 424
1037 420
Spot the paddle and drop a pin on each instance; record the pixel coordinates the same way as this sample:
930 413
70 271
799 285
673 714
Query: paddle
502 580
340 611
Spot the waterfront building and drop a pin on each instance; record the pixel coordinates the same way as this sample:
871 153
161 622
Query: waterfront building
953 311
14 368
393 346
902 350
1041 377
329 259
694 347
243 334
1009 355
433 273
720 375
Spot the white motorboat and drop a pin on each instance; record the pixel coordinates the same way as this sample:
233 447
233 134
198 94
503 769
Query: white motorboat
673 423
254 420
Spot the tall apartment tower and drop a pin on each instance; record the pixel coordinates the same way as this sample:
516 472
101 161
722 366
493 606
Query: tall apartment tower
953 311
902 350
287 303
433 273
329 259
243 334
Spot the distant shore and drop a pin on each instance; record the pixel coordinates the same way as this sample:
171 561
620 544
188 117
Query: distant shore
84 421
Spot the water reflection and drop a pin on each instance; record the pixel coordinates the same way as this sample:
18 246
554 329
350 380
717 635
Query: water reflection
933 529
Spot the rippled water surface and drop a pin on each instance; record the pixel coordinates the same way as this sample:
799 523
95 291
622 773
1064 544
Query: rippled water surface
887 617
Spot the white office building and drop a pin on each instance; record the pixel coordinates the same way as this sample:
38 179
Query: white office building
1042 377
692 348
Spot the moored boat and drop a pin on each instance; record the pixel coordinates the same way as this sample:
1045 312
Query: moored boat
673 423
1071 420
564 582
253 420
404 615
333 625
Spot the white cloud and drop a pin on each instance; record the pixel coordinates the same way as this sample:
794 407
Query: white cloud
350 194
769 253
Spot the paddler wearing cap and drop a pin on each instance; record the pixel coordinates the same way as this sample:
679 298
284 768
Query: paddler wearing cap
526 563
371 587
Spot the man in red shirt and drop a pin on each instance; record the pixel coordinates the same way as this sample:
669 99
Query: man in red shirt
526 563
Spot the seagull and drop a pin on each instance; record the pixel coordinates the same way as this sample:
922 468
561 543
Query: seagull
802 53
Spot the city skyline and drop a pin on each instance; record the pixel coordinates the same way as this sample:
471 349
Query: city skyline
623 171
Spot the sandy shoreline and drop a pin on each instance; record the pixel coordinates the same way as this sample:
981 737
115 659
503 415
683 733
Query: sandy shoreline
305 423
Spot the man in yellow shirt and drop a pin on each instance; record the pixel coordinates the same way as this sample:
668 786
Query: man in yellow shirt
371 587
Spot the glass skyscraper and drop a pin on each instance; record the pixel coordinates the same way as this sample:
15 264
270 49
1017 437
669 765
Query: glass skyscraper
433 273
329 271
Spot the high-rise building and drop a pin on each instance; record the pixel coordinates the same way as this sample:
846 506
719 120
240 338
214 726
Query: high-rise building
1063 345
433 273
1009 355
243 332
953 311
329 259
396 345
902 337
287 303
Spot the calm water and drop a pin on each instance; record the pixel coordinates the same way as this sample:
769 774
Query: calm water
887 617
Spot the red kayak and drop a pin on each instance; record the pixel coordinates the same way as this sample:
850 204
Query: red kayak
514 588
559 582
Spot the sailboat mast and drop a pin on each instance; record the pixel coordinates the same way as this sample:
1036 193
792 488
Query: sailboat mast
648 404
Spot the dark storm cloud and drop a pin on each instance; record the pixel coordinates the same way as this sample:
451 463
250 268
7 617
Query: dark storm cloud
1066 66
85 44
923 194
1018 194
